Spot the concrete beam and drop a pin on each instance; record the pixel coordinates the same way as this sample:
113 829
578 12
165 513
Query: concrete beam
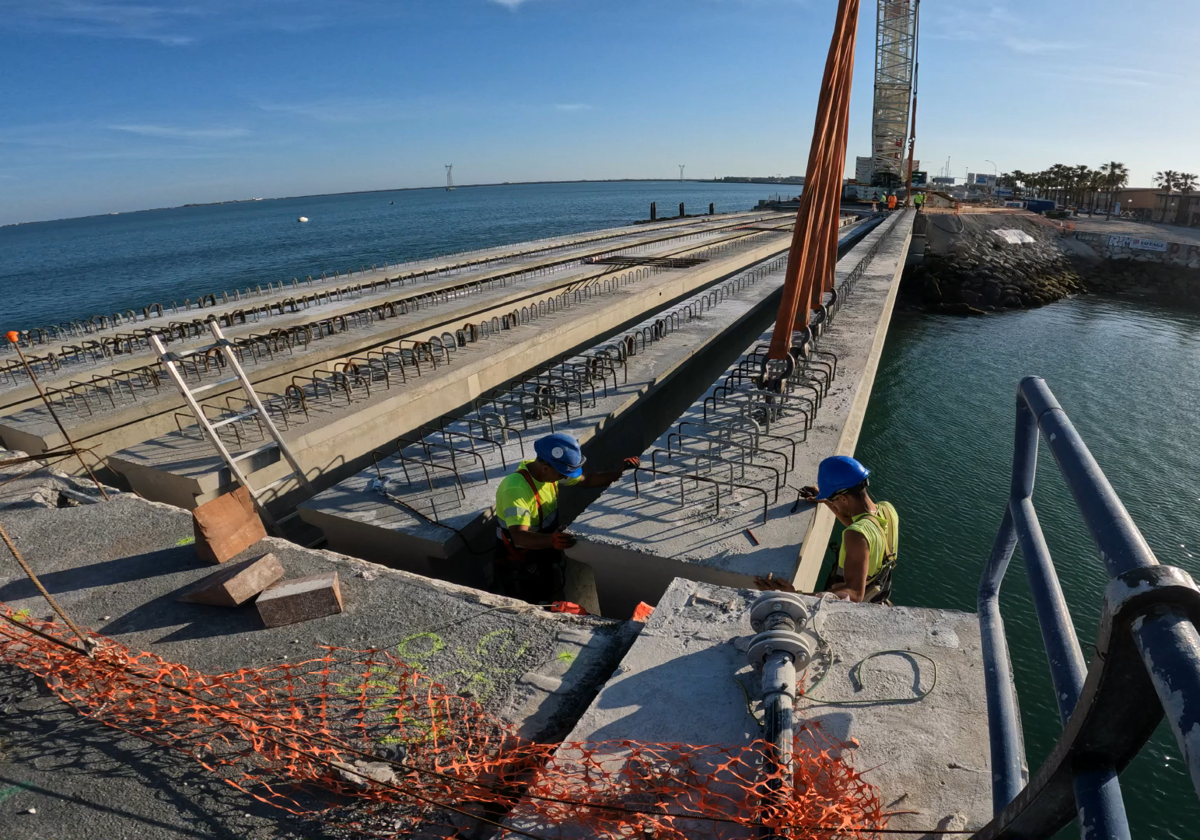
183 470
637 538
626 414
110 429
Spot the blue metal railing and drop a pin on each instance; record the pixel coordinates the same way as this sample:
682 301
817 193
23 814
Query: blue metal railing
1147 658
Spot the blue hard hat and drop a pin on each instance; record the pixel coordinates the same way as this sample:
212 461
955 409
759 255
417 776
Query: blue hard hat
841 472
561 452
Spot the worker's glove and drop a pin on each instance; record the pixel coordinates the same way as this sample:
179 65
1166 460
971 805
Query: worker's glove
631 463
560 540
809 493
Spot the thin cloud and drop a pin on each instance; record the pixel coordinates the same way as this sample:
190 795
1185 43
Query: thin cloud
176 23
510 4
129 19
336 110
1032 46
573 107
174 133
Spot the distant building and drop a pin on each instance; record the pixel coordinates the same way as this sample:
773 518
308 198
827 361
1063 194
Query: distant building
1177 209
863 169
1141 201
981 181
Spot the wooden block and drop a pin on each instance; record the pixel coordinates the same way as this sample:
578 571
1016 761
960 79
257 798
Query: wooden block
226 526
235 584
300 599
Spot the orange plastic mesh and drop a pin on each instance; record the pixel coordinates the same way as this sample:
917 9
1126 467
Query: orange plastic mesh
432 764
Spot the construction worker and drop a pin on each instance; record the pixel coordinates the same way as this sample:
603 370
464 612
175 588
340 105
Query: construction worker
529 560
867 555
875 203
891 201
919 201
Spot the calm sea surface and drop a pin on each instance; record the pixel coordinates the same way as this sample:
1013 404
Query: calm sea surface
939 436
938 433
55 271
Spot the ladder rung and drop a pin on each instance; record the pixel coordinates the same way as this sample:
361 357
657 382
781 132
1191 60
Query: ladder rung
174 357
234 418
212 385
253 452
275 483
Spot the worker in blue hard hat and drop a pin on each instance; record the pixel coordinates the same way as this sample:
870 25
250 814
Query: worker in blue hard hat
529 561
867 554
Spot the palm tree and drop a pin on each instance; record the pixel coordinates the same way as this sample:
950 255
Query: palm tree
1116 176
1080 174
1186 183
1168 179
1019 181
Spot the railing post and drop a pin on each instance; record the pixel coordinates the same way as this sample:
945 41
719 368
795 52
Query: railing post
1004 721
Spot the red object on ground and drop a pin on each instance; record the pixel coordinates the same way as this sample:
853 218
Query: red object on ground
13 336
642 612
568 607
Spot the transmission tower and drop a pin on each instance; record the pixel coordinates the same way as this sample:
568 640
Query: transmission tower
895 39
449 177
681 171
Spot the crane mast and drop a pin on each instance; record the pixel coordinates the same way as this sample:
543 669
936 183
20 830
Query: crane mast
895 42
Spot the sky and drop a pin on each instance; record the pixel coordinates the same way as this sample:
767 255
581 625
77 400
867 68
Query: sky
118 105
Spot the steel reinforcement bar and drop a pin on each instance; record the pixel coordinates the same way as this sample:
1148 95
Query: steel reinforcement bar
83 327
102 393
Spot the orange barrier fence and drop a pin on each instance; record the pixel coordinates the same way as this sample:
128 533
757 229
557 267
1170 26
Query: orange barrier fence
361 741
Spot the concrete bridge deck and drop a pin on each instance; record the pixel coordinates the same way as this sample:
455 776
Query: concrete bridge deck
901 688
142 407
741 519
624 415
124 345
183 469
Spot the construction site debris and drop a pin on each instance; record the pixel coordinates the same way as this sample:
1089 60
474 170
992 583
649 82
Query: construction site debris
236 584
226 526
300 599
369 746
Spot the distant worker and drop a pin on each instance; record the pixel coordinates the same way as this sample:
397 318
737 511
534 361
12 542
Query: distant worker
891 201
919 201
875 203
529 560
867 555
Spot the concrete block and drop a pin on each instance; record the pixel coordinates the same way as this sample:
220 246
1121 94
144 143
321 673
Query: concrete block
226 526
236 584
300 599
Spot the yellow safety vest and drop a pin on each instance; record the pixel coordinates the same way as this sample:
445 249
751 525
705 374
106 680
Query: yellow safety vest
881 530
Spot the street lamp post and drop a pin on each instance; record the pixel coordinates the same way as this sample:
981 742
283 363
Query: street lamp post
995 175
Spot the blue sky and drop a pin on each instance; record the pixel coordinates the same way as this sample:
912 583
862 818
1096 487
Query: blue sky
113 105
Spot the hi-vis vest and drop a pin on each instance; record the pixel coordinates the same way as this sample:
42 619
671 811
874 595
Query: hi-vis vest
881 530
522 500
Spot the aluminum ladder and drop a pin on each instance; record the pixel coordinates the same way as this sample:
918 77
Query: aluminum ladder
226 348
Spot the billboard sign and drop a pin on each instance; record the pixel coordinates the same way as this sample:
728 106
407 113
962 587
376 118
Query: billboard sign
920 177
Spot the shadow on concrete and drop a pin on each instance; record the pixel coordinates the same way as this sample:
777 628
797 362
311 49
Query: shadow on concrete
199 621
87 780
164 561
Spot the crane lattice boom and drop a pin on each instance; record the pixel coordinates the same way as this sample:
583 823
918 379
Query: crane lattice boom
895 41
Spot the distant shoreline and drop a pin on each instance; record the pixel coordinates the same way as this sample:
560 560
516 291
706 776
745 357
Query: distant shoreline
404 189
